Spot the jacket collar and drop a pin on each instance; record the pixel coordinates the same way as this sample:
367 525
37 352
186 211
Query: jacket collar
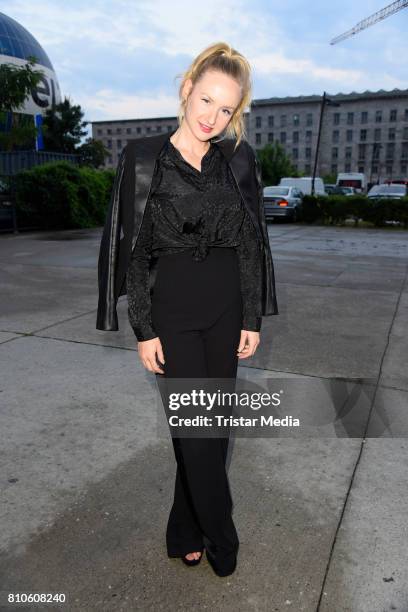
145 151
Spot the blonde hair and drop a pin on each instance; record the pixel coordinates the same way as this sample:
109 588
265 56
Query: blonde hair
220 56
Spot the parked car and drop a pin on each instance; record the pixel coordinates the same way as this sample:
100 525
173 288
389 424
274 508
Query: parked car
347 191
304 184
282 202
395 191
357 180
329 188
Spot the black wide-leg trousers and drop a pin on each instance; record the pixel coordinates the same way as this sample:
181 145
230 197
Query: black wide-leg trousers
197 314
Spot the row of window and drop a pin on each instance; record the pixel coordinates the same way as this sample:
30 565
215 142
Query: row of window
349 116
283 120
364 133
375 151
347 167
138 130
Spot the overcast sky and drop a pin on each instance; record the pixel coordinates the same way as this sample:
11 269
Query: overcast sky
118 59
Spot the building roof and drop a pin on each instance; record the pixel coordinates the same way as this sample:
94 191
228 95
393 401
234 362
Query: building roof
346 97
16 41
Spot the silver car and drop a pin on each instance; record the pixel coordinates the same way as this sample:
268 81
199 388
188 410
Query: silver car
394 191
283 202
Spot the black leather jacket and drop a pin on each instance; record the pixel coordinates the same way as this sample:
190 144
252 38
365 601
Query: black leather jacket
125 213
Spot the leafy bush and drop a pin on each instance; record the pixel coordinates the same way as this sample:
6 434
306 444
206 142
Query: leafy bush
61 195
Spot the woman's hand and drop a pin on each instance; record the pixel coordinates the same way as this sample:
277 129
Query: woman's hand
148 349
248 343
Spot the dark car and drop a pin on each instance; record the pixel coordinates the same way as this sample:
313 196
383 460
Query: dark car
282 202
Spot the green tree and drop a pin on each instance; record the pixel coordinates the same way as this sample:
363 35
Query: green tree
275 163
16 84
92 153
63 127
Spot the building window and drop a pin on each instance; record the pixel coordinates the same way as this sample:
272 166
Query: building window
295 137
109 144
361 169
295 167
404 150
100 132
335 136
283 137
388 170
393 114
336 118
334 169
364 116
296 119
148 129
362 151
309 119
258 138
139 130
110 159
119 144
391 134
283 120
378 116
390 150
376 152
405 133
349 136
118 130
403 168
308 152
109 131
169 128
374 169
348 152
335 152
363 134
350 118
308 168
258 122
270 121
406 114
295 153
128 130
308 135
159 128
270 137
377 134
347 167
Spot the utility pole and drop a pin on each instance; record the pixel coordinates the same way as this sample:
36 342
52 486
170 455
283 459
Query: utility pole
325 100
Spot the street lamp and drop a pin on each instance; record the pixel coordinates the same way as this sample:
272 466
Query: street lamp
325 100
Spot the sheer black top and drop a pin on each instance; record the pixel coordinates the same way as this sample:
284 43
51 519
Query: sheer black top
192 210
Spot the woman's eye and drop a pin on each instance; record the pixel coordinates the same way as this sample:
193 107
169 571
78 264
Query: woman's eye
204 100
227 111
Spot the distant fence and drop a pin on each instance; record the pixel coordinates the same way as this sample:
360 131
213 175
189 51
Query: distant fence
12 162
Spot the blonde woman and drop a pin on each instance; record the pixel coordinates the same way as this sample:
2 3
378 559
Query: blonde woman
202 230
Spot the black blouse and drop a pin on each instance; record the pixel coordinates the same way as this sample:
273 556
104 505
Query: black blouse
192 210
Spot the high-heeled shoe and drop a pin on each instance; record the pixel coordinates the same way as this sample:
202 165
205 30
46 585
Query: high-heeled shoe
191 562
218 570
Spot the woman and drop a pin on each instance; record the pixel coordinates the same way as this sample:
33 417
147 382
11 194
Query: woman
205 308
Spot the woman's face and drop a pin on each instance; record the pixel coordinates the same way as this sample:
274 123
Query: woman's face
211 103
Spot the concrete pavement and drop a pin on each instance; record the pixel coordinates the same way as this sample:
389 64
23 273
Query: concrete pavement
86 483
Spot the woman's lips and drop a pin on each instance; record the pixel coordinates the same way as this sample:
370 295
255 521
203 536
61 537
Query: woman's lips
204 128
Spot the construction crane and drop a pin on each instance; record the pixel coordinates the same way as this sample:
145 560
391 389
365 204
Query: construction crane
392 8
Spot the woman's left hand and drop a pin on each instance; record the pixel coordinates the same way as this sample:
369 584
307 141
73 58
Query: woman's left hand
248 344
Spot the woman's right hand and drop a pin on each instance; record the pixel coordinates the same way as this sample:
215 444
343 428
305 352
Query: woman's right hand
148 349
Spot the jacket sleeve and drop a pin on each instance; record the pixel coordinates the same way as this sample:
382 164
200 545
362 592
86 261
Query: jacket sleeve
269 301
250 268
107 319
138 290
